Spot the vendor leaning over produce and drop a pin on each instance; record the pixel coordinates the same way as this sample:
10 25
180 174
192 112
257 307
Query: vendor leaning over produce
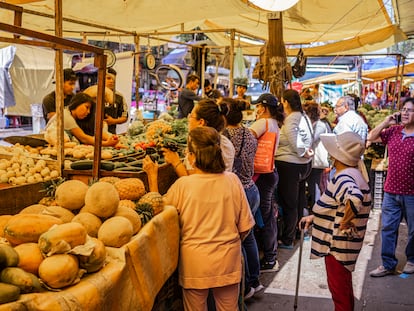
76 121
214 218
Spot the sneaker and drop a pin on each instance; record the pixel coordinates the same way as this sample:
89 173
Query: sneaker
285 246
409 268
249 293
269 266
381 271
259 289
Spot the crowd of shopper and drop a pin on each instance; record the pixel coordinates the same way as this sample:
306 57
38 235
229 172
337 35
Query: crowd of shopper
224 199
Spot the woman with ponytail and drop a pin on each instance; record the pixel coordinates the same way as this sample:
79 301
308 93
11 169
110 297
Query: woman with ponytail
214 217
205 113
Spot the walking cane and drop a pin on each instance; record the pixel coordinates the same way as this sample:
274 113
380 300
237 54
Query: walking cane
302 233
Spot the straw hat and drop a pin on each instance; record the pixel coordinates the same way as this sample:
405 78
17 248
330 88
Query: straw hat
347 147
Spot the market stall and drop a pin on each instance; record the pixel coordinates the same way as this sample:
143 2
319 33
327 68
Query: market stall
130 280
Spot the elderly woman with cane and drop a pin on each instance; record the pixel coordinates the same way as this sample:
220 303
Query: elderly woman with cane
340 216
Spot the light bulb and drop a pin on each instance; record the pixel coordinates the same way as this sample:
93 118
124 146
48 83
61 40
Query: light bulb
274 5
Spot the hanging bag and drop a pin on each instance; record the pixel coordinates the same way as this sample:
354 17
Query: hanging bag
264 159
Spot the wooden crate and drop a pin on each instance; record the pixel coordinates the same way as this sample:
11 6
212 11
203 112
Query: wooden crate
15 198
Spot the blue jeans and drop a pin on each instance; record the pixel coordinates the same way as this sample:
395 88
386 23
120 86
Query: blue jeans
250 250
267 183
395 207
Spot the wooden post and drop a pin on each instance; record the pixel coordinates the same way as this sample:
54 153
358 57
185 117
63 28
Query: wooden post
100 63
276 54
396 97
203 71
59 87
231 82
137 71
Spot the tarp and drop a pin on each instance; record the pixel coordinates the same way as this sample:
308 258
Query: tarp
367 75
32 73
350 26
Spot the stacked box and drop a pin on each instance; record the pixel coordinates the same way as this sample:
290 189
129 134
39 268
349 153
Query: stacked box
378 188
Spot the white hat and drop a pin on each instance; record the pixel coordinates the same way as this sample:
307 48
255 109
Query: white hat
347 147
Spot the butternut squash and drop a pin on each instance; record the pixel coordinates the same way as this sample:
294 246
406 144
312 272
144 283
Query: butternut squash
115 231
8 293
59 270
8 256
27 282
3 221
25 228
33 209
89 221
96 260
62 238
30 257
59 212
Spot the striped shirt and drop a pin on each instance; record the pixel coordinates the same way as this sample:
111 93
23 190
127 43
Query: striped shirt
347 185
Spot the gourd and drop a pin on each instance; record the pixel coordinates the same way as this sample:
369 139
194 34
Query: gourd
101 199
3 221
33 209
90 221
71 194
27 282
59 270
115 231
62 238
8 256
59 212
8 293
96 260
132 216
25 228
30 257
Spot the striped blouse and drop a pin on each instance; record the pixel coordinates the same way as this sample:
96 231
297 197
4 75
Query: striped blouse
348 184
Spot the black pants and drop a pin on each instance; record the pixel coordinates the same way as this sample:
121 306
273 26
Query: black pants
292 197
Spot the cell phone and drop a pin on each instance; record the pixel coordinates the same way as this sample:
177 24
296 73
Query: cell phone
398 118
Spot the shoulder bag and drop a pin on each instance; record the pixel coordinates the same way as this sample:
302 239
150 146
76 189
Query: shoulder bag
264 159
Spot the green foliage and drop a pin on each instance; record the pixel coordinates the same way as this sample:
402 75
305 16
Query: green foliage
50 186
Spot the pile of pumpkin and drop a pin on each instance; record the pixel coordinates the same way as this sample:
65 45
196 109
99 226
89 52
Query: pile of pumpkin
49 247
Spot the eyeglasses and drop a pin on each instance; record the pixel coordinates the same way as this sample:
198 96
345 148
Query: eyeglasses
407 110
339 105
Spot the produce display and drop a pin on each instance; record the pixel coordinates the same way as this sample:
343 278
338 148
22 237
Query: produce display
49 247
24 164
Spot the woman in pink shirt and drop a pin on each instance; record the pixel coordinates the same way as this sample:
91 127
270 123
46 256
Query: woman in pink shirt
214 218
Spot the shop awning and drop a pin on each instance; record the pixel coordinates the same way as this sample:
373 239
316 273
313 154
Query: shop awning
352 26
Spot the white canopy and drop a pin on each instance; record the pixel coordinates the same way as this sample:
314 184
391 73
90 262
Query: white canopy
353 26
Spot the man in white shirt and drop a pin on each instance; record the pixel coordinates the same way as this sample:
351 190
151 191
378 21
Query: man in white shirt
349 120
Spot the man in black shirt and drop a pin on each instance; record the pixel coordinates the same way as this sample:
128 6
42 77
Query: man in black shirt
49 101
117 112
188 96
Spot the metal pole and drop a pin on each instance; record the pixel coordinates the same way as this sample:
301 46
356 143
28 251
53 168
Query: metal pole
302 234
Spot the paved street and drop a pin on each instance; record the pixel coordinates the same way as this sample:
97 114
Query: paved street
395 292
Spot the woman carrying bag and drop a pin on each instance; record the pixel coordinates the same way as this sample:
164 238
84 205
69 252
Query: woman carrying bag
294 164
269 114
